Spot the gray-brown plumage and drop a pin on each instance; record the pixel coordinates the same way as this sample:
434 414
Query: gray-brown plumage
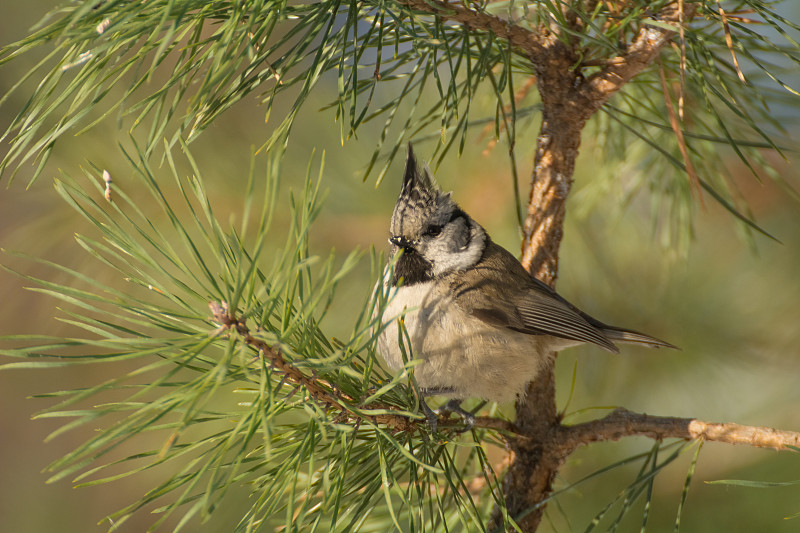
498 290
481 325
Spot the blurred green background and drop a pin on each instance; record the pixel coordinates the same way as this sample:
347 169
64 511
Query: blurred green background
734 310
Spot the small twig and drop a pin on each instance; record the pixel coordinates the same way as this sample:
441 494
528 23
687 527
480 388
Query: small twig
603 62
316 391
676 128
640 54
729 41
528 41
743 20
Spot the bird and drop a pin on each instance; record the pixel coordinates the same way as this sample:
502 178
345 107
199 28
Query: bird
476 323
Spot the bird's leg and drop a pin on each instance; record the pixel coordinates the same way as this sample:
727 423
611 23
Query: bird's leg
454 406
430 414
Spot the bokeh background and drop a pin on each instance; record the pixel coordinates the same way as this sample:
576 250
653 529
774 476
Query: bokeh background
732 306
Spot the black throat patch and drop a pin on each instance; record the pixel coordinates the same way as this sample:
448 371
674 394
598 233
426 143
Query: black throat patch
411 268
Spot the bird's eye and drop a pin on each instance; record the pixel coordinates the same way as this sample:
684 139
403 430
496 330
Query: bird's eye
433 231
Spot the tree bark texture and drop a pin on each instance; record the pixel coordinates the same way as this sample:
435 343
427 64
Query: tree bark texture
568 101
534 462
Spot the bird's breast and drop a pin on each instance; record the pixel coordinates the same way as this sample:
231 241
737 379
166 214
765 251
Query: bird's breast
409 313
460 353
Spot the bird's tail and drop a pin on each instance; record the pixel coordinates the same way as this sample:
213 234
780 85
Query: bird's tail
634 337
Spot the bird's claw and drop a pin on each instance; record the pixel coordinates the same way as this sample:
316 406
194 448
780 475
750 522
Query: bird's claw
430 414
454 406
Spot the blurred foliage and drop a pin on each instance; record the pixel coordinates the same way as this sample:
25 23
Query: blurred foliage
735 314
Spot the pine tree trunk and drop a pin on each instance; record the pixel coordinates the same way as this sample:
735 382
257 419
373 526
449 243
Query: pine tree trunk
568 101
529 478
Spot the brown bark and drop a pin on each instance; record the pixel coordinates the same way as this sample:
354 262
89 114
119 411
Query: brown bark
568 101
534 464
624 423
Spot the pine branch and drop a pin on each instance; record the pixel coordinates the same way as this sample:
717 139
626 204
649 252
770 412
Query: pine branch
330 397
529 42
563 441
325 396
565 113
623 423
641 53
537 46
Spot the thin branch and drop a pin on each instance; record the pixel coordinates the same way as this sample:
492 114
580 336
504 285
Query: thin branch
624 423
694 179
327 396
321 394
641 53
682 27
528 41
621 423
729 41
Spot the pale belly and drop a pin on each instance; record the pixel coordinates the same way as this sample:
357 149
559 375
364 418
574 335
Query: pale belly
462 356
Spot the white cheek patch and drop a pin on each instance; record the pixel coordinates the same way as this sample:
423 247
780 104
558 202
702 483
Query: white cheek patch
445 260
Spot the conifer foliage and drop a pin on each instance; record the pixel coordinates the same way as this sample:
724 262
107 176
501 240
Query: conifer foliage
227 360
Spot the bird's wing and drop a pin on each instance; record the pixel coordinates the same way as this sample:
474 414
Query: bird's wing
500 292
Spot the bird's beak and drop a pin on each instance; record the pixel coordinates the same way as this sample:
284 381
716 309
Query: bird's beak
400 242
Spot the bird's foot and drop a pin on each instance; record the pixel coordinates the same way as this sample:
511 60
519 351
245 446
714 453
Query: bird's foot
430 414
454 406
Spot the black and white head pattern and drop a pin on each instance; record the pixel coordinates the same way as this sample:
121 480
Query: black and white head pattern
435 235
